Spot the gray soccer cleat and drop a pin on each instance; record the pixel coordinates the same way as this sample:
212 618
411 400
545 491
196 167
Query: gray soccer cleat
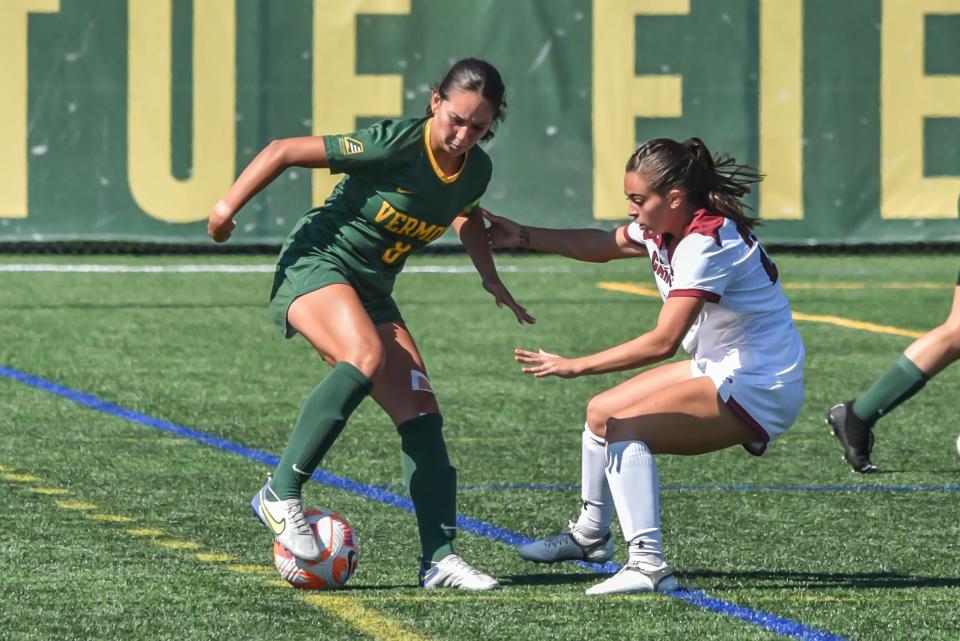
569 545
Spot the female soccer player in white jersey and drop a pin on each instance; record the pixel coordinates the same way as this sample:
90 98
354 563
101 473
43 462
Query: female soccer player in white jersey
721 301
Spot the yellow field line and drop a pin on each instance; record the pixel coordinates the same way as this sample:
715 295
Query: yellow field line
630 288
364 619
854 285
20 478
214 557
110 518
76 505
177 544
246 568
343 607
847 323
144 531
652 292
852 324
52 491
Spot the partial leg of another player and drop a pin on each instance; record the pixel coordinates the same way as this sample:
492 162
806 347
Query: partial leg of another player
402 388
334 321
852 421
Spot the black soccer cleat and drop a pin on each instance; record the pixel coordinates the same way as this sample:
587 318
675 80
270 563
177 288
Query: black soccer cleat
855 436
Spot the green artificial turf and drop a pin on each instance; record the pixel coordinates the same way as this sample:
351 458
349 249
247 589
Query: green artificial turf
795 533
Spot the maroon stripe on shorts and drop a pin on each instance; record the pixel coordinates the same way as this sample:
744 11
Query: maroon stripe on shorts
740 412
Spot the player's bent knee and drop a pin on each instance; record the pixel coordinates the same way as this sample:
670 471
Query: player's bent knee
954 349
597 431
952 328
597 416
369 358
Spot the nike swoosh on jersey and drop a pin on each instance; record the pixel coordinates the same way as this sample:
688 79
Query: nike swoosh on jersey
401 190
275 525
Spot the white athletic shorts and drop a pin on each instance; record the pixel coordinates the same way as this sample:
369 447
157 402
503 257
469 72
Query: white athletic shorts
767 409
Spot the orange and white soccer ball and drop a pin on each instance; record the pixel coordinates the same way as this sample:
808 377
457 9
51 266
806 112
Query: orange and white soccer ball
339 553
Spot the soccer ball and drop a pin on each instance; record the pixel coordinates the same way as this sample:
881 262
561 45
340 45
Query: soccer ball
339 553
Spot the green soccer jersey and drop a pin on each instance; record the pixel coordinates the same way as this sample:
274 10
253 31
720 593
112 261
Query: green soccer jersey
392 200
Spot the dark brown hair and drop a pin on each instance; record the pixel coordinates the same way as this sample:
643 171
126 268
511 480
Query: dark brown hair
716 183
472 74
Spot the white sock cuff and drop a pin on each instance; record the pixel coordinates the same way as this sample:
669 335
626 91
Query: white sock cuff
630 452
593 437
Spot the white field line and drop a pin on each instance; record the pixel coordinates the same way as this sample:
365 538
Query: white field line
245 269
134 269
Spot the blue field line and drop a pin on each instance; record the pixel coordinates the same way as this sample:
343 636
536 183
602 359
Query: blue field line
568 487
817 488
773 623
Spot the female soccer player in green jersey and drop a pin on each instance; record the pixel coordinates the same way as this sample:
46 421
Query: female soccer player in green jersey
405 182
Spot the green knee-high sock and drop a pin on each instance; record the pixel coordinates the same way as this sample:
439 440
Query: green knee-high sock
321 420
432 483
897 384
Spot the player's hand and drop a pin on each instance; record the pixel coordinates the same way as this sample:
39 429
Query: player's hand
545 364
221 223
502 296
502 232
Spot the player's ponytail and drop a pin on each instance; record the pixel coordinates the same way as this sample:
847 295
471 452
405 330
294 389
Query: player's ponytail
473 74
716 183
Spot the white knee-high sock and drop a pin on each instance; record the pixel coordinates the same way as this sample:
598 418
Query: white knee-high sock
635 486
597 510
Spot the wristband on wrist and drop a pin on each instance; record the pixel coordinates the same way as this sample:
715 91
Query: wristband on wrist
524 234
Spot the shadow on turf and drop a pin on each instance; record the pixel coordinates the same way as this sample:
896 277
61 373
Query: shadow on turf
520 579
814 580
906 470
551 579
374 587
517 579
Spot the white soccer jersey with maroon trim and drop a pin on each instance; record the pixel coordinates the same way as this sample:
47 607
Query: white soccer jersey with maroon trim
745 327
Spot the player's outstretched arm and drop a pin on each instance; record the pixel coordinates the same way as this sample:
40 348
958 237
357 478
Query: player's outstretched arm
660 343
469 228
307 151
588 245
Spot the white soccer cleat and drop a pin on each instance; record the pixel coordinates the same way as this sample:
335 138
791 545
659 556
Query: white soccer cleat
286 520
569 545
453 572
637 577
